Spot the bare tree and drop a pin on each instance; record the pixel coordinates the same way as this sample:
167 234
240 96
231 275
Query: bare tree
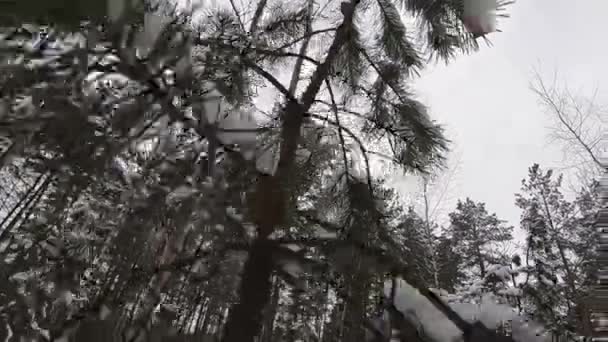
433 198
437 190
579 124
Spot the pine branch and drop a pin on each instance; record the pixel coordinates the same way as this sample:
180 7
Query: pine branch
394 39
353 136
284 24
414 139
442 26
348 65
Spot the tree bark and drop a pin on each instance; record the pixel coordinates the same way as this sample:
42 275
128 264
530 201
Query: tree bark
245 317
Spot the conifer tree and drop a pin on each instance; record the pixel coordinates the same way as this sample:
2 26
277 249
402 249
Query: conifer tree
477 234
559 248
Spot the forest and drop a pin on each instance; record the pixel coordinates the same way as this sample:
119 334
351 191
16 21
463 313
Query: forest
217 171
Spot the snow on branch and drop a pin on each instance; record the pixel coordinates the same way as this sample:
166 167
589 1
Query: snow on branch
439 328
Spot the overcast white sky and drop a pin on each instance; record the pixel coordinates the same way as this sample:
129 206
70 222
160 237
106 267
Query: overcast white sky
484 99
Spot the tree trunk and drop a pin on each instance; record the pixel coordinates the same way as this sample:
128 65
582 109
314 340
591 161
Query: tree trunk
259 10
355 312
482 266
202 325
429 237
583 323
245 317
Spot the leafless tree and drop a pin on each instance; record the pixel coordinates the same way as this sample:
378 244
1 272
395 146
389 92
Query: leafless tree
437 190
579 123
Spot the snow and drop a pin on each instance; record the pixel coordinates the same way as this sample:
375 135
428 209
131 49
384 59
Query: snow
293 247
475 288
441 329
20 276
357 163
121 166
10 258
179 194
501 271
440 292
10 333
434 322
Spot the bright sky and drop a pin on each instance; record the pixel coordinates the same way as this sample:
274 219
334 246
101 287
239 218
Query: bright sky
484 99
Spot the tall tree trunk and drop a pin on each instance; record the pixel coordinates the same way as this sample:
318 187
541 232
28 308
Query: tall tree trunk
429 237
205 317
244 321
480 261
583 322
358 290
259 10
297 70
246 317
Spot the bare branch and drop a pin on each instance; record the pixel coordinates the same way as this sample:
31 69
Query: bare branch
578 123
238 15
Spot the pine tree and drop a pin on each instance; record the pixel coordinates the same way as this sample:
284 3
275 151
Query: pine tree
418 249
347 51
451 273
476 234
559 248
